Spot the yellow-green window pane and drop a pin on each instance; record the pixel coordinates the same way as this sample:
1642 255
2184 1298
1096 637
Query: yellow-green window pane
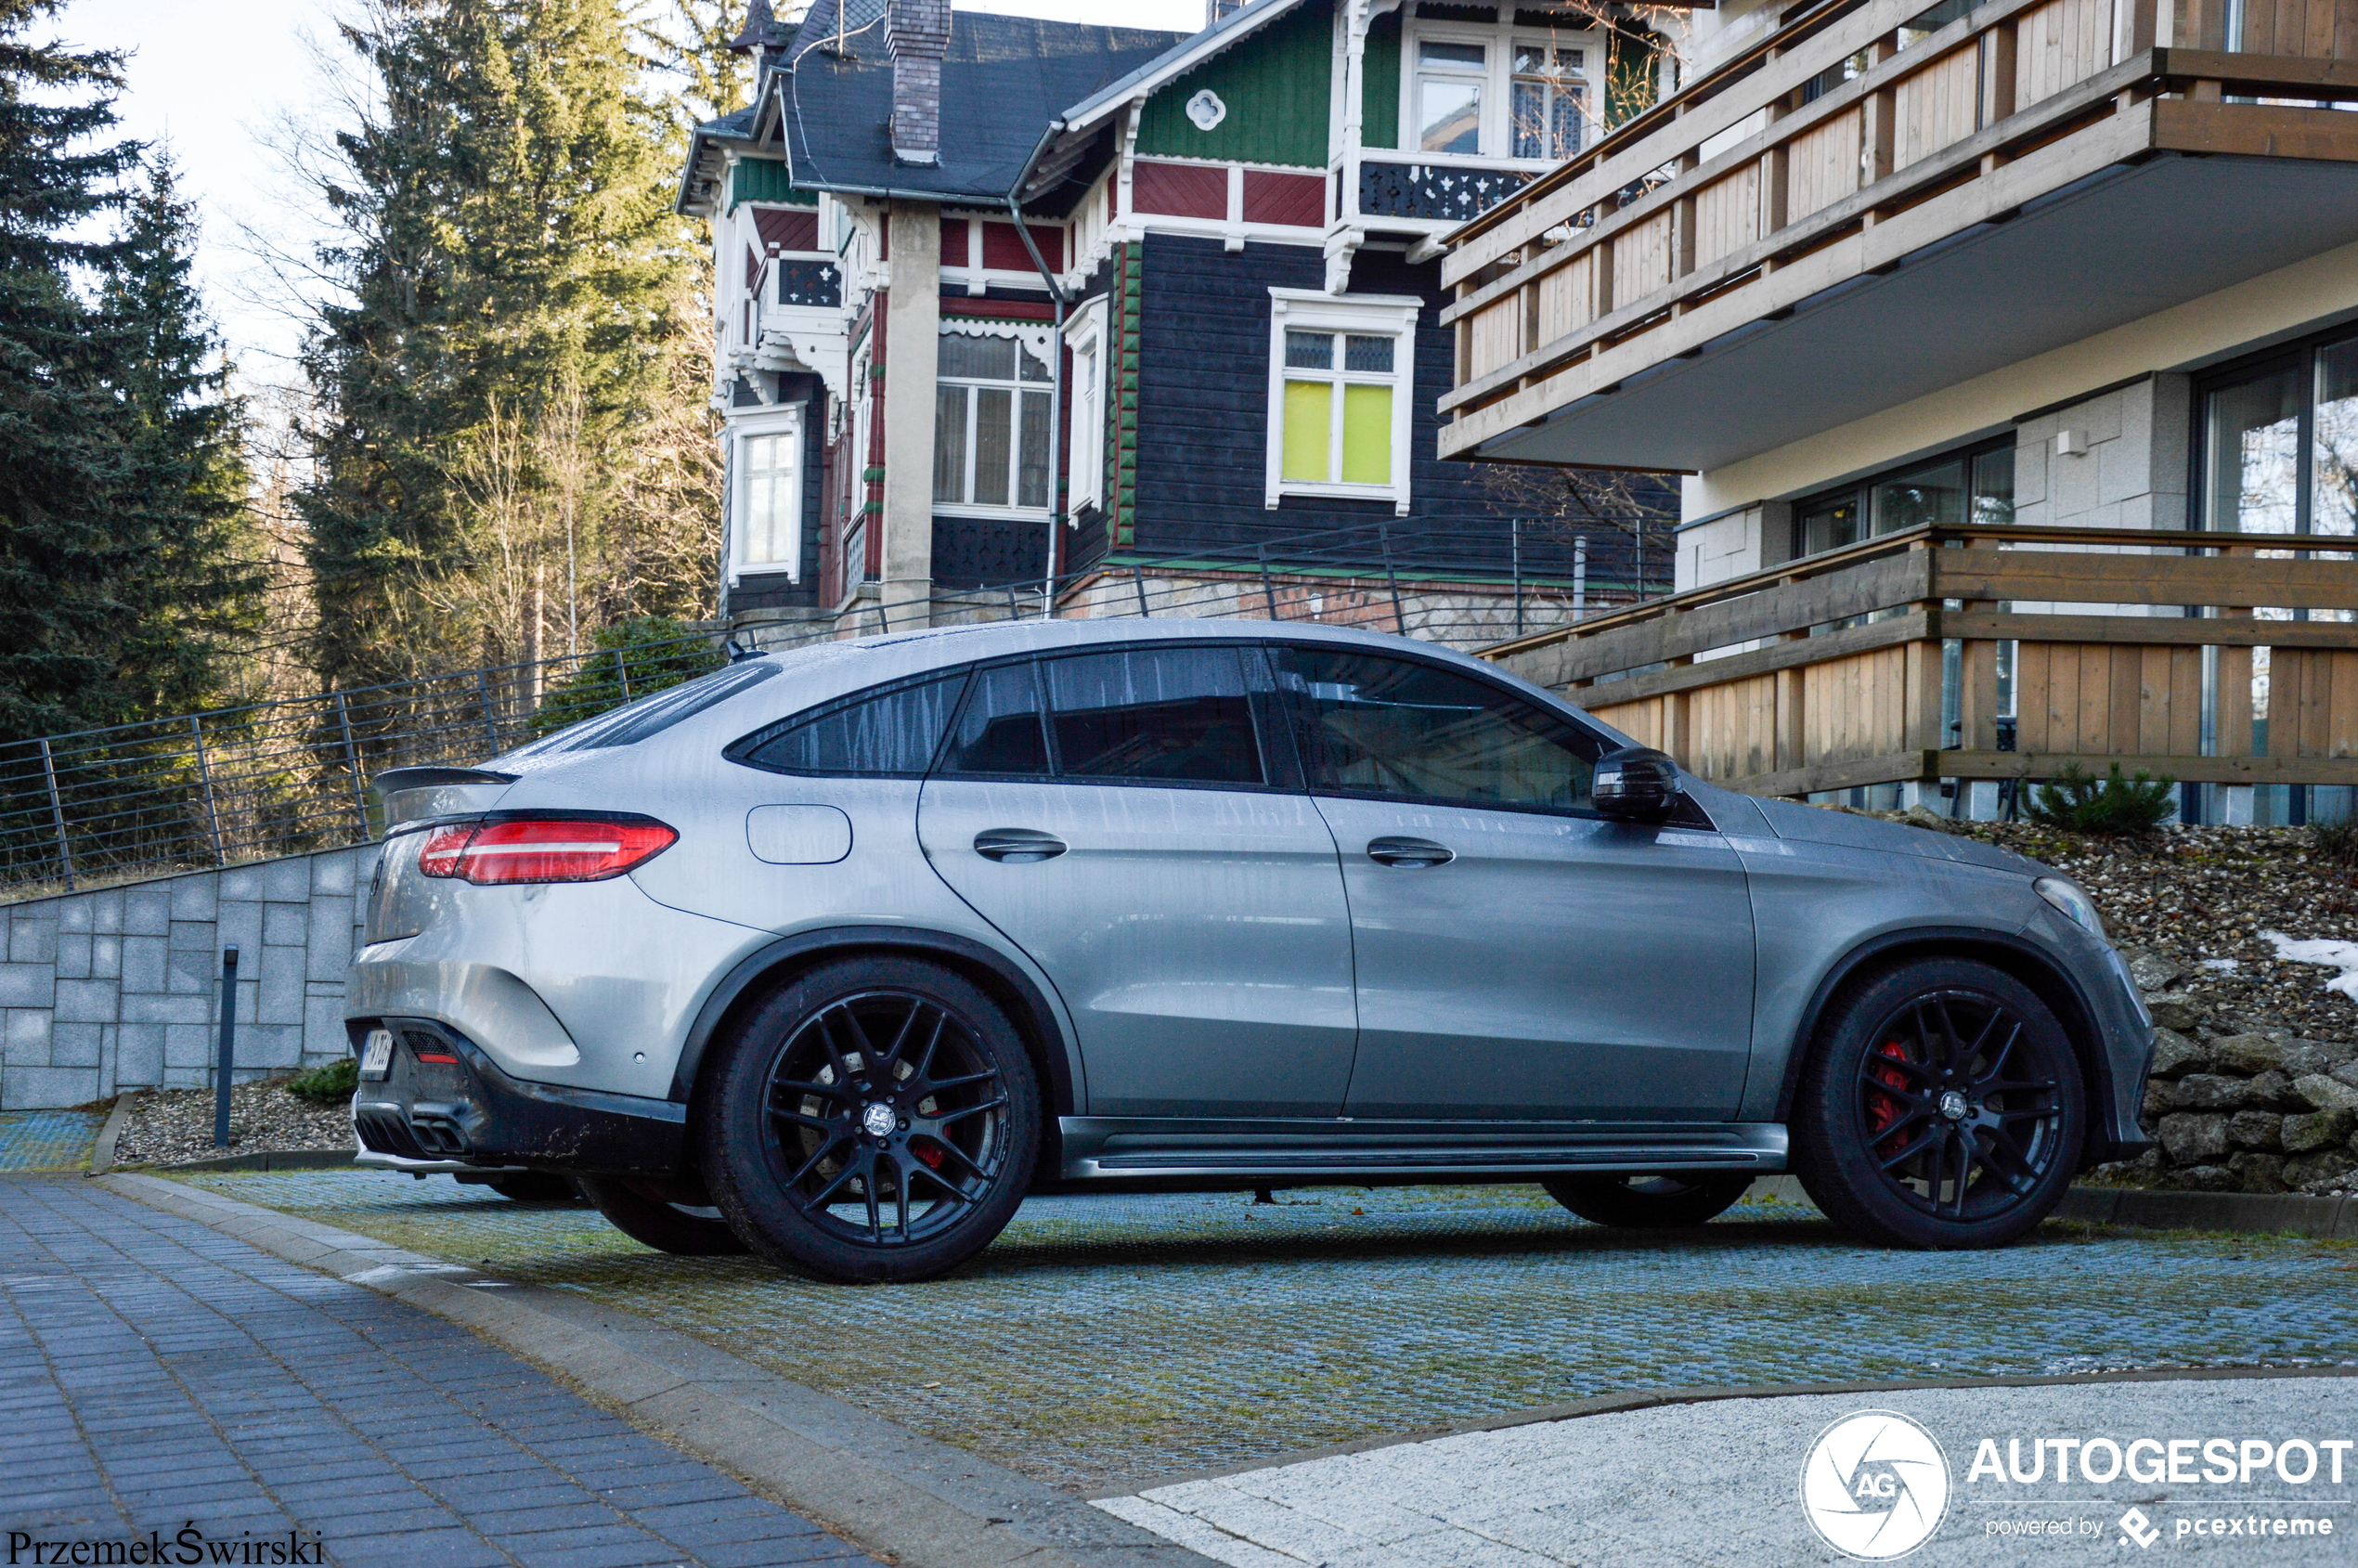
1366 435
1308 411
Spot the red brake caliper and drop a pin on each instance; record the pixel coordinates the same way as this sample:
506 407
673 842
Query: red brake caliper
1882 1109
930 1155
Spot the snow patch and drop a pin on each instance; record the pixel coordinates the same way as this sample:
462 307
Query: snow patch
2339 956
2224 966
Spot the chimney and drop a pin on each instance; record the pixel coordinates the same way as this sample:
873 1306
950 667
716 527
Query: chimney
917 35
1216 9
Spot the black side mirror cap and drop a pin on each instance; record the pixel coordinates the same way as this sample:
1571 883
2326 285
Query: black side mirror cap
1635 785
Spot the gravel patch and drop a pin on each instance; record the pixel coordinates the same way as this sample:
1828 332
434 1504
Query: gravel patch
176 1125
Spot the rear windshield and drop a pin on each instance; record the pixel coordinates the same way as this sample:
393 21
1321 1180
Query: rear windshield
652 715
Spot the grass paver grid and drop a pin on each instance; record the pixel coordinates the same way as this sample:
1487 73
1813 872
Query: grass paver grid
168 1375
1105 1339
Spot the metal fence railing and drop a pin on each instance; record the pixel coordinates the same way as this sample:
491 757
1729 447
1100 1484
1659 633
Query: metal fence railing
1466 585
280 778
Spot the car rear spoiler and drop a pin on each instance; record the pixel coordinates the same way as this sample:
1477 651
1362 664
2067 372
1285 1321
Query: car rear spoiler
436 777
412 792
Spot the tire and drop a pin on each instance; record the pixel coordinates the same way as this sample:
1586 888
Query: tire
1664 1202
645 1215
1941 1107
535 1187
828 1166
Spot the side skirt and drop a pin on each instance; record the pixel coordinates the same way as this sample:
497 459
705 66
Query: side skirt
1296 1152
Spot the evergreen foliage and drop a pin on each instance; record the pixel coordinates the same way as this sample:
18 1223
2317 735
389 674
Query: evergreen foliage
649 652
518 291
120 479
2076 800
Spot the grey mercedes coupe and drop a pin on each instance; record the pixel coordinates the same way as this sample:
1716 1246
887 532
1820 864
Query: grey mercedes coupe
835 954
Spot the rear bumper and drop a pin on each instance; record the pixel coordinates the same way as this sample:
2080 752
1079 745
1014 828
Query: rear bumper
464 1113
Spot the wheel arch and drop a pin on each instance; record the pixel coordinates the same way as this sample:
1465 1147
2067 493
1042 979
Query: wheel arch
2010 954
761 973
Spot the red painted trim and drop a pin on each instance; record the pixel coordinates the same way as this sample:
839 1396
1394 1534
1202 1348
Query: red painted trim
1179 190
1296 200
998 310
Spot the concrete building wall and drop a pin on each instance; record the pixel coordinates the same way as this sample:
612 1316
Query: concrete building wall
121 988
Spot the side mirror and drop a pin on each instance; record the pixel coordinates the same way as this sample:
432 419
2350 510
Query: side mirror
1635 785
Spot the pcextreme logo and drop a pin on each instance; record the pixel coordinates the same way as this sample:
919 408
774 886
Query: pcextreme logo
1875 1485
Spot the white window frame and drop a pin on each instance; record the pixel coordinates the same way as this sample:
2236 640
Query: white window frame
784 421
1497 108
1085 340
1393 316
1038 339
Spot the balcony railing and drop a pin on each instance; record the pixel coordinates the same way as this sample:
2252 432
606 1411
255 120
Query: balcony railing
1881 662
1773 178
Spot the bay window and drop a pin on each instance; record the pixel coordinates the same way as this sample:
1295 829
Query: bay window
1341 387
990 422
768 496
1475 91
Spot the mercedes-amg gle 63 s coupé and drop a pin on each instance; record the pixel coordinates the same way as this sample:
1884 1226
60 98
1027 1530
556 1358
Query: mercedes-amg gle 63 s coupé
835 954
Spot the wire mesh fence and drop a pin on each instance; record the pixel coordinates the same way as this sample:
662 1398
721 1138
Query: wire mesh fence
1467 585
280 778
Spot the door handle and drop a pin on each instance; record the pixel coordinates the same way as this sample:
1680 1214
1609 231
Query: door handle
1016 846
1410 852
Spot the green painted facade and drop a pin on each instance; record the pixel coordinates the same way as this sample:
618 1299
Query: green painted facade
1277 85
1380 84
766 179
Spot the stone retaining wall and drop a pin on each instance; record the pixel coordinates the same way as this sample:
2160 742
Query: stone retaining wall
121 988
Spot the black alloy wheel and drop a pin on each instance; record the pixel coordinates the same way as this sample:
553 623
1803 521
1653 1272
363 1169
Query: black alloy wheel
877 1121
1944 1108
1670 1201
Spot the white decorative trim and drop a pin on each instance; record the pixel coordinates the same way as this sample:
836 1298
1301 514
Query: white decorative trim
1391 314
1085 339
1205 111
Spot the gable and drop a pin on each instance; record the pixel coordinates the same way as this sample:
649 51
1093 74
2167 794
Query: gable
1277 85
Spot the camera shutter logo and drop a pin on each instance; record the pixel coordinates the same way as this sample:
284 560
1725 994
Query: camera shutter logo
1875 1485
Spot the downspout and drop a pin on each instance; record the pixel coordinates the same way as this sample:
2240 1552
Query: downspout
1055 371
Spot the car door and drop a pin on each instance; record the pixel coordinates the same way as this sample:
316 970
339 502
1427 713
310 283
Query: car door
1119 816
1518 956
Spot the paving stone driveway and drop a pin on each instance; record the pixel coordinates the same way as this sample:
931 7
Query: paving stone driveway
156 1374
1103 1342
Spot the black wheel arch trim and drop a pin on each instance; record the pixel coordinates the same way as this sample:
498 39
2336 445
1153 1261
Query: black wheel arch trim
2078 1016
1038 1022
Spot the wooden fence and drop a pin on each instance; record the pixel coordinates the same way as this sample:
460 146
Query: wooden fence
1880 661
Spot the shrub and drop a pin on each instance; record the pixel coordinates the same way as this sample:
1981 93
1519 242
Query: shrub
2085 803
652 651
327 1085
2337 842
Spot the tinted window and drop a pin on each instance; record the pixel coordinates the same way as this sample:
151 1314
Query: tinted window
999 731
893 734
1371 725
1177 714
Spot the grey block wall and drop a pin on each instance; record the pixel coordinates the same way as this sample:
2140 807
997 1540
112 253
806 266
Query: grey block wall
121 988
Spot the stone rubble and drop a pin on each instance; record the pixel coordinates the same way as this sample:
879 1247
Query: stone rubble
176 1125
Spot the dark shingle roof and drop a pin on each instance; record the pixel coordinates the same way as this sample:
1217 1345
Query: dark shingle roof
1004 80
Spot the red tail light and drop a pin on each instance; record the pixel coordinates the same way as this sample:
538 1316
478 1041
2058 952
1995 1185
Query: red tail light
537 850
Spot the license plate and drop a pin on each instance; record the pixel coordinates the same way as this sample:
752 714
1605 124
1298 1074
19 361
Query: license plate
376 1053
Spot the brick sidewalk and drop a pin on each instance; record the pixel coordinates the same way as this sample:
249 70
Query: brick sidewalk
154 1374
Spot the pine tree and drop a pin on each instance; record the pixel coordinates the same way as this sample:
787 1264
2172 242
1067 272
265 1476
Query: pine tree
61 460
515 275
191 584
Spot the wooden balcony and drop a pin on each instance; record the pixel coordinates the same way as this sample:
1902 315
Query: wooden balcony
1828 673
1748 264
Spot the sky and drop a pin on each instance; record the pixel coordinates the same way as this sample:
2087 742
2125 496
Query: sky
217 77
